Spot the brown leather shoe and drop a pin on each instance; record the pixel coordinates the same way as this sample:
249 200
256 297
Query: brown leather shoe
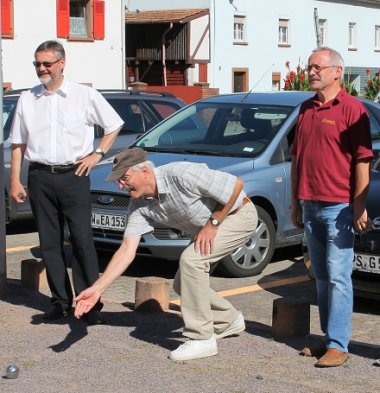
332 358
317 350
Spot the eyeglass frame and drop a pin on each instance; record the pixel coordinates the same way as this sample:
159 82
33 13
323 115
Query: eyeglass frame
125 178
317 68
46 64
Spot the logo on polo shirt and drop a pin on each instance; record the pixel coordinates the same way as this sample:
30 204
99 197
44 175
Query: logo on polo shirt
327 121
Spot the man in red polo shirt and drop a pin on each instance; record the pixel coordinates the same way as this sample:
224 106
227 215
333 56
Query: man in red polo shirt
330 179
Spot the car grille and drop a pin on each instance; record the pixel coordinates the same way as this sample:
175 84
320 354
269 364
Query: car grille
119 201
368 242
158 233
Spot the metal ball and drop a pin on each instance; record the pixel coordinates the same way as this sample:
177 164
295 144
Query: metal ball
12 371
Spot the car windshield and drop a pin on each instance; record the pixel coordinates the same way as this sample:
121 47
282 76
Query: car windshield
217 129
9 107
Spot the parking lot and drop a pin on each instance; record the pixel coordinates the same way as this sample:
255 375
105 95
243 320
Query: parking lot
129 354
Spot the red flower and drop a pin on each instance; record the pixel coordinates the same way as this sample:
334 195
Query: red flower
287 84
292 75
298 68
368 71
287 64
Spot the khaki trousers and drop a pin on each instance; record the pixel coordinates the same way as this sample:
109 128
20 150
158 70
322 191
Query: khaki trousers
204 311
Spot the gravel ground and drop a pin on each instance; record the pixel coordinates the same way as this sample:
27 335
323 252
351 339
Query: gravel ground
130 354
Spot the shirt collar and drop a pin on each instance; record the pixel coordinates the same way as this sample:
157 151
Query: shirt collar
338 98
62 90
162 186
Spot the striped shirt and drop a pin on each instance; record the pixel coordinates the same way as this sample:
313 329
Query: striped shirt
188 193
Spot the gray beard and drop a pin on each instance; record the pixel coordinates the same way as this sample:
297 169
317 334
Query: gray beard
45 79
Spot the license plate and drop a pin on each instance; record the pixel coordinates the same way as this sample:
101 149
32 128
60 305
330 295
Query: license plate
108 221
367 263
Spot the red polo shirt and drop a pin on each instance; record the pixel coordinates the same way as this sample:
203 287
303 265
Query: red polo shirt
328 142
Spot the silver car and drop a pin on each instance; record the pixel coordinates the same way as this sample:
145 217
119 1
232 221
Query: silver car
248 135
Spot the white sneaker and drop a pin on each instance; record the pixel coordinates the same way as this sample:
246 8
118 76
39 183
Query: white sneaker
235 327
195 349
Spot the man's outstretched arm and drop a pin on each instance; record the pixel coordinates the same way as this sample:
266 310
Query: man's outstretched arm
119 262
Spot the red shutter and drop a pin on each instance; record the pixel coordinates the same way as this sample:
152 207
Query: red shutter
6 26
63 18
99 19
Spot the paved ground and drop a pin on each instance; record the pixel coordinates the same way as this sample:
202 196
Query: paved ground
129 354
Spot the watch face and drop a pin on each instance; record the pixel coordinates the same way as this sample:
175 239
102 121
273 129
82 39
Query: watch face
214 221
99 151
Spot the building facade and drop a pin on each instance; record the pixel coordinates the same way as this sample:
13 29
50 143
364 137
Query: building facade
91 31
230 45
246 44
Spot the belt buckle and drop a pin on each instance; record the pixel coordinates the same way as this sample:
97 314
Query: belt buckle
53 169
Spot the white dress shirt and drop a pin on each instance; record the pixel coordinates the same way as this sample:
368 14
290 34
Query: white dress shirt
58 127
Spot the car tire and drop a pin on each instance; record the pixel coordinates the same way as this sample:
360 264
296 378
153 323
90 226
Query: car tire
252 258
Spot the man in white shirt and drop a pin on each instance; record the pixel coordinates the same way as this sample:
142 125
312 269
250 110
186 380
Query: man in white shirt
53 129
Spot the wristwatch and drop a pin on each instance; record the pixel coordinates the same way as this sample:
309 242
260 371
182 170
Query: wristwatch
215 222
100 151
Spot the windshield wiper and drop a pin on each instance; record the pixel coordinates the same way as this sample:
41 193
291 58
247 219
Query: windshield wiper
184 151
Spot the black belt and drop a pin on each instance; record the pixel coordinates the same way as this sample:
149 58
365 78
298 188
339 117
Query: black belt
53 168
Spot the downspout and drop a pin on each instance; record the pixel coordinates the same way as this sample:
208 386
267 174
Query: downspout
317 30
164 53
124 83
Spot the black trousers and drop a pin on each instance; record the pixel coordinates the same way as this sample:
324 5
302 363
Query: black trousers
54 198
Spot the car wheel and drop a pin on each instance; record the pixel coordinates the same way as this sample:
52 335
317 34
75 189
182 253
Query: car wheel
252 258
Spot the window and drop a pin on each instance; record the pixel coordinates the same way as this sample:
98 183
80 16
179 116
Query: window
240 29
240 80
80 19
352 35
322 23
7 28
276 81
283 31
377 37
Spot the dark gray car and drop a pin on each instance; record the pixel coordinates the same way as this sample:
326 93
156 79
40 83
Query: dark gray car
140 110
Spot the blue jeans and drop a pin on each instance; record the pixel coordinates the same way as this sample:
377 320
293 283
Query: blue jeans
330 239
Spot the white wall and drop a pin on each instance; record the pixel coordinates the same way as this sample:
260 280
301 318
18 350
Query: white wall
262 50
99 62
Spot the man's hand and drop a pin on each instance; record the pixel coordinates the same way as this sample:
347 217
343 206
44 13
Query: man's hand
85 301
17 192
204 241
296 215
362 222
87 163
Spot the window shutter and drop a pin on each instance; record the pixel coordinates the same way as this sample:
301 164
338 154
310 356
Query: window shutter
99 8
63 18
6 26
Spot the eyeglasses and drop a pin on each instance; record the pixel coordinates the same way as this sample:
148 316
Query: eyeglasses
122 179
317 68
46 64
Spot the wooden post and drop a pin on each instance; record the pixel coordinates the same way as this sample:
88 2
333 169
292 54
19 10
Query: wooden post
33 275
152 294
291 317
